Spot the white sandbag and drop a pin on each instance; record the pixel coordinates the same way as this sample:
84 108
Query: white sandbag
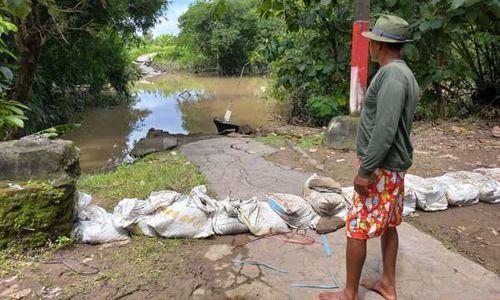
327 200
131 212
430 196
296 212
493 173
489 189
321 184
326 204
409 203
348 193
260 218
182 219
187 217
94 224
458 192
225 219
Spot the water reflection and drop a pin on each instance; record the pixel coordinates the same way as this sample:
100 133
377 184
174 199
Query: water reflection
174 103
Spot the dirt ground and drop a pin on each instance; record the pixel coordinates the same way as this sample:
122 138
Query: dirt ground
142 268
439 148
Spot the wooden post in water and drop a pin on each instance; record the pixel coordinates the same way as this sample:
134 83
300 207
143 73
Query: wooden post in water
359 56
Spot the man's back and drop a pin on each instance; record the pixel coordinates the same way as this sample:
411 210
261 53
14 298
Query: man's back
387 117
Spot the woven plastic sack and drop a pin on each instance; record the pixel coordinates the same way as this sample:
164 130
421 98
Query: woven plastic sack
458 192
296 212
225 219
94 224
493 173
324 201
430 195
489 189
260 218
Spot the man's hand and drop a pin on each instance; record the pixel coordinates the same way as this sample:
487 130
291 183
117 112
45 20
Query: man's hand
361 185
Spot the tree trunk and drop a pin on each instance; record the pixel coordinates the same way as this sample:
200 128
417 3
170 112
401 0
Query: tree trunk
29 44
441 104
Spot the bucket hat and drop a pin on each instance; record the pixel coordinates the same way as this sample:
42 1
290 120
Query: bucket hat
389 29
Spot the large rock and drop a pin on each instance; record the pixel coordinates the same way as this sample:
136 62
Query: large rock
36 157
341 133
33 212
37 190
155 141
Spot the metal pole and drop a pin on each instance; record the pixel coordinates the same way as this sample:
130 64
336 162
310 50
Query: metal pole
359 56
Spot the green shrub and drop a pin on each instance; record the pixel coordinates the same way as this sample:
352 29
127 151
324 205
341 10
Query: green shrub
321 109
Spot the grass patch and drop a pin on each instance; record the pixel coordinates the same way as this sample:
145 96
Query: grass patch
274 140
136 52
305 142
312 141
158 171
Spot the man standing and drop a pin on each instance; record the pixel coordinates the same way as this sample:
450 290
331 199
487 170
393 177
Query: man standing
385 152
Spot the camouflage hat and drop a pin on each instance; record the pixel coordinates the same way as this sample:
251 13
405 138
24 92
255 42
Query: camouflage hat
389 29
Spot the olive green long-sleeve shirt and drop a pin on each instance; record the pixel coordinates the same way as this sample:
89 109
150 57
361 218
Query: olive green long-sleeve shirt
386 120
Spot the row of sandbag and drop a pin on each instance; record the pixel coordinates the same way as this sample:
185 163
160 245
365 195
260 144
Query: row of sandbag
429 194
196 215
452 189
173 215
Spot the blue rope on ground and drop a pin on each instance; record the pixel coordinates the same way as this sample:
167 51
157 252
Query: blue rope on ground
256 263
326 245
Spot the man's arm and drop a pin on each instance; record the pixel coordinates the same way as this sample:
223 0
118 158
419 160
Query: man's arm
390 103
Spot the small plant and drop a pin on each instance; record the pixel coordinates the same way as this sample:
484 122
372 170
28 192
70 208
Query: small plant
56 131
11 112
272 139
313 141
11 116
61 242
322 109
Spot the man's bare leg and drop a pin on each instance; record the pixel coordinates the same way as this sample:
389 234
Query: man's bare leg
355 258
387 285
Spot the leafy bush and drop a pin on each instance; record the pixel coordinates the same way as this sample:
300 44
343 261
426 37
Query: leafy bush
11 112
322 109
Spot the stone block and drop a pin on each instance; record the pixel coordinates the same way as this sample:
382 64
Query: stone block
341 133
36 157
37 190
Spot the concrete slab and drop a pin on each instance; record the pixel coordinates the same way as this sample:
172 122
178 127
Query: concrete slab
426 269
236 167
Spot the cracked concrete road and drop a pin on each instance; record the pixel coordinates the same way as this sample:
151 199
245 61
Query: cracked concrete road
426 269
236 167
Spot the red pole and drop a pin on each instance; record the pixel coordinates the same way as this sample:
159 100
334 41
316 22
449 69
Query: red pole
359 56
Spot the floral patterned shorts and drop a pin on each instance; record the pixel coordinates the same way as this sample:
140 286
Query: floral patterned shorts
370 216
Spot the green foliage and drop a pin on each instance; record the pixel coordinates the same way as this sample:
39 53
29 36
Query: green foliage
322 109
180 58
11 116
312 141
159 171
311 57
77 53
456 53
272 139
61 242
11 112
224 33
57 131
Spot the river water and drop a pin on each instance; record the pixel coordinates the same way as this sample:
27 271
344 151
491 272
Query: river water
177 103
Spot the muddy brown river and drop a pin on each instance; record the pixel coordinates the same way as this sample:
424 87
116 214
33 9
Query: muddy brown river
177 103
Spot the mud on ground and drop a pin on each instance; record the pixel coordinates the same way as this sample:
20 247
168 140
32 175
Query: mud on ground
143 268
